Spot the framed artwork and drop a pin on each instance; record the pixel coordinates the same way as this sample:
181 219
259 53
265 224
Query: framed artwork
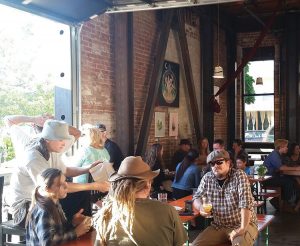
160 127
168 94
173 124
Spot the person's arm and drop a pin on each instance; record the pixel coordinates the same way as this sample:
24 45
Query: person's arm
38 120
245 220
287 168
76 171
100 186
74 132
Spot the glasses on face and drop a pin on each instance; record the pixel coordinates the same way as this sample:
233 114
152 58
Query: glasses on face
218 162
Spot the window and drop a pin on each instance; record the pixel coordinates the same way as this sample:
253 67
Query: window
35 68
258 102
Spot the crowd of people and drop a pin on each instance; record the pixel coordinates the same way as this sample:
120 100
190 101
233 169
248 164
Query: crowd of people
51 197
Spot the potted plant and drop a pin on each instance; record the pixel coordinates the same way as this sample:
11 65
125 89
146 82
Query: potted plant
261 171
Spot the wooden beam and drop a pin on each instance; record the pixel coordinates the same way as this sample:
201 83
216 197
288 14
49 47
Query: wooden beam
123 75
188 72
206 63
154 82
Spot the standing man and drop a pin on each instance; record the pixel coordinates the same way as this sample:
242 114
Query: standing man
229 190
116 155
40 153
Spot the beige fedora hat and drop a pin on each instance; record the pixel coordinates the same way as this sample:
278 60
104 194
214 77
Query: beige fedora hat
134 167
56 130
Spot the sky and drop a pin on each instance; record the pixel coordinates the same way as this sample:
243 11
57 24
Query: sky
51 49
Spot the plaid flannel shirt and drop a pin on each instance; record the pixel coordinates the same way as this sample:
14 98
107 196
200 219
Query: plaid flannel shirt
228 200
43 231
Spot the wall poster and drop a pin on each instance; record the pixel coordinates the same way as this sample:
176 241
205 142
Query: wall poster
168 94
160 128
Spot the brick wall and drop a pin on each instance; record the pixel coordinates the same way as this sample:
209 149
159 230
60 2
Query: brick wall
97 88
97 77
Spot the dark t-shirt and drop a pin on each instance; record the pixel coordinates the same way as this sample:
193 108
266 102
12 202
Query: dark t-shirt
177 157
116 155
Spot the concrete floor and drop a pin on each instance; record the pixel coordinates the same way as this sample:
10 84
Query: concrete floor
283 231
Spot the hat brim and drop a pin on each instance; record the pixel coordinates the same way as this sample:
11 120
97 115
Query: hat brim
144 176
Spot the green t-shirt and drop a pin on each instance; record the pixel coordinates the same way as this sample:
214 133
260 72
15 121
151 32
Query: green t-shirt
88 155
155 224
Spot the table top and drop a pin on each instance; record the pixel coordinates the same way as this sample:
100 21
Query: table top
181 203
87 239
291 172
257 178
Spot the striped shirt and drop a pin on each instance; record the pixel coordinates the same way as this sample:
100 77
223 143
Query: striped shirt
228 200
42 230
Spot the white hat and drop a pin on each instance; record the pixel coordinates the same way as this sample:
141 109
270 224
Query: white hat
56 130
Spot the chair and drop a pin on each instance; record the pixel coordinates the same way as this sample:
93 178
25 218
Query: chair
270 192
7 229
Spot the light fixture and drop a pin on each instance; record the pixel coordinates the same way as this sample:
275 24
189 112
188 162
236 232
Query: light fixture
259 81
218 71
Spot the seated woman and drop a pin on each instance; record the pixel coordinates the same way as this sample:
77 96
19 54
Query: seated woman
203 151
188 175
94 151
129 217
241 163
155 161
293 155
46 223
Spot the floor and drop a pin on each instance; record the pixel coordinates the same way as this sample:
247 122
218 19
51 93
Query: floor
283 231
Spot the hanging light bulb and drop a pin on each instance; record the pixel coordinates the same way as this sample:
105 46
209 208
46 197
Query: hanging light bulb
218 71
259 81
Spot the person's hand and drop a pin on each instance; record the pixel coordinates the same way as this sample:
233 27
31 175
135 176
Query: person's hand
203 213
78 217
102 186
235 233
84 226
95 163
40 119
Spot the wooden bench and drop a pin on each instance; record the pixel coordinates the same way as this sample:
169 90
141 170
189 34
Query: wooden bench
263 222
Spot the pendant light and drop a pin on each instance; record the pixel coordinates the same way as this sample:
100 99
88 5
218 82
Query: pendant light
259 81
218 71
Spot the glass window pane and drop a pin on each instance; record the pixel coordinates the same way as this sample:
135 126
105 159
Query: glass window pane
259 69
259 119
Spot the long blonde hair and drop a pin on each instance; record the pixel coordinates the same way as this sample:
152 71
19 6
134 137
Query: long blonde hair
118 208
95 138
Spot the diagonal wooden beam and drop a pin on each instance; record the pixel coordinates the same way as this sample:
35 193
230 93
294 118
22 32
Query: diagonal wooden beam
154 83
188 72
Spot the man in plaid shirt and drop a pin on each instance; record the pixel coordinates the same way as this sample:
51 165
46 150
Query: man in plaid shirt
229 193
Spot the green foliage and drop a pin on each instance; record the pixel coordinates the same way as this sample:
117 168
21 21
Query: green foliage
249 89
261 170
7 150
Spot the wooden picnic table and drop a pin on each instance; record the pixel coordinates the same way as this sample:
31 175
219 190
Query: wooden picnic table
87 239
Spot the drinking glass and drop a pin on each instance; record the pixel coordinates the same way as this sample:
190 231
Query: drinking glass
207 206
162 197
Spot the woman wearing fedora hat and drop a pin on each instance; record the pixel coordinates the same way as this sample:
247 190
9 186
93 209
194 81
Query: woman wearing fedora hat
129 217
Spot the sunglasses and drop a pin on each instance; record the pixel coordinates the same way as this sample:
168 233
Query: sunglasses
218 162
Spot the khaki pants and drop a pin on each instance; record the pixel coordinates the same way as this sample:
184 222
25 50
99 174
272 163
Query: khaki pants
211 237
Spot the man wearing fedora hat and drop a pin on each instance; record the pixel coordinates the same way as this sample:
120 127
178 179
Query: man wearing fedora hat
44 152
129 217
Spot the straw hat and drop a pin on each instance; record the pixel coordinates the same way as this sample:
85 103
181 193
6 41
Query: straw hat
56 130
134 167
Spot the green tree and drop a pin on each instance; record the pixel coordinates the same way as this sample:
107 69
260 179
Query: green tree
248 82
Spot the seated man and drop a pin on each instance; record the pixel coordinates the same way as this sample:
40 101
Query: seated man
184 147
274 164
237 150
232 203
